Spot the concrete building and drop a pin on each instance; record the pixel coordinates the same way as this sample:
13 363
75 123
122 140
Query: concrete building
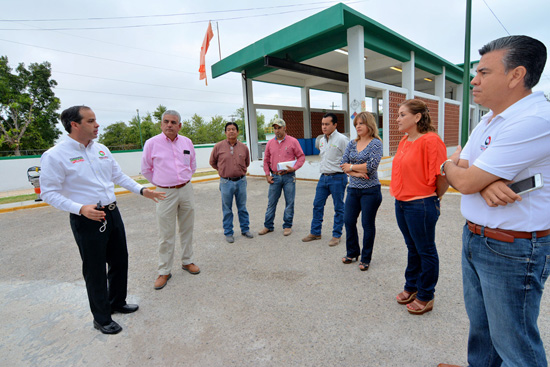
372 67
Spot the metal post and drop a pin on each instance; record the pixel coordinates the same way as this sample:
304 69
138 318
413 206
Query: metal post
139 124
466 77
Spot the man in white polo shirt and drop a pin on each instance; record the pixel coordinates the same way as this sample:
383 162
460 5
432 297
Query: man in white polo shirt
506 242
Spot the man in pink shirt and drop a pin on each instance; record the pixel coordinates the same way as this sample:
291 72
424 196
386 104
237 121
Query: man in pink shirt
169 162
283 148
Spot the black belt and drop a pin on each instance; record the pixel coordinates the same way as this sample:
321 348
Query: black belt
332 174
281 173
233 178
110 207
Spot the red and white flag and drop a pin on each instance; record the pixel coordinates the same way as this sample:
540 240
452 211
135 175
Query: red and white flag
204 48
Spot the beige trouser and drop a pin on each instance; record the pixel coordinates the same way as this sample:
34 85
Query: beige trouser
179 205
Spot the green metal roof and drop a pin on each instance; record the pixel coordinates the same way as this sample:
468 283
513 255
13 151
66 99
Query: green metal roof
324 32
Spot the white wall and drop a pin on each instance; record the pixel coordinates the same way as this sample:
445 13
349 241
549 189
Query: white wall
310 170
13 171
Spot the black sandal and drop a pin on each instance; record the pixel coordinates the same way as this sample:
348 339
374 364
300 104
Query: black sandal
349 260
363 266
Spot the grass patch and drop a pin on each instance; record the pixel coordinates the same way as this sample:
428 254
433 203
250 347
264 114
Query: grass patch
18 198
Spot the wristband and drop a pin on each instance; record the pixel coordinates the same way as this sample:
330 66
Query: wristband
442 167
351 168
141 191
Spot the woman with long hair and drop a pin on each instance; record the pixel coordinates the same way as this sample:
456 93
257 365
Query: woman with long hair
417 185
360 162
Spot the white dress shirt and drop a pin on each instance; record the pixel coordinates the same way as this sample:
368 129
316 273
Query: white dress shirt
73 175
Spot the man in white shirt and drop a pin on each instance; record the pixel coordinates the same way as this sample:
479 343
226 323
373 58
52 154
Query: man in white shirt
78 175
333 181
506 240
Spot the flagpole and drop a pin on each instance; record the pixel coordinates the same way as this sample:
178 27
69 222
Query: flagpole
466 76
219 47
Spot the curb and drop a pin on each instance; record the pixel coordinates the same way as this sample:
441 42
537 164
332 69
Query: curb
119 192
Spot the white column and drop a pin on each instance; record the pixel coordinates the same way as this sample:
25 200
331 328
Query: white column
250 122
307 112
345 104
407 76
440 92
356 72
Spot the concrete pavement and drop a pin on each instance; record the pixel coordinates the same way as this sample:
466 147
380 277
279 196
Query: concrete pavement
267 301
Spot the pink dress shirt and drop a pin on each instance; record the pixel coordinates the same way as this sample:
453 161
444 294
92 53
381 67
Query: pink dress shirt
287 150
166 162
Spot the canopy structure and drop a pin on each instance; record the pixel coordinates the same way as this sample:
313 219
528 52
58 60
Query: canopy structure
341 50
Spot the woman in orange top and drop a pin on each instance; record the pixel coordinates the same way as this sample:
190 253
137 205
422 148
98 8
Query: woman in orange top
417 186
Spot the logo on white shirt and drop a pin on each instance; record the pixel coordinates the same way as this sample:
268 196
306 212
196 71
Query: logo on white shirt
486 144
76 159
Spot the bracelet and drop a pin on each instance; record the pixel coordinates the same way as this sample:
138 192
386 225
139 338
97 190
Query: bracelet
141 191
442 167
351 168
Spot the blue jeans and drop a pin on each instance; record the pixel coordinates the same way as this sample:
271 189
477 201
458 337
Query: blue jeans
237 189
334 185
416 220
503 285
366 202
286 183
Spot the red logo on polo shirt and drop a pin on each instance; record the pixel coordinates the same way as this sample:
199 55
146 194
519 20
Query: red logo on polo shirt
486 143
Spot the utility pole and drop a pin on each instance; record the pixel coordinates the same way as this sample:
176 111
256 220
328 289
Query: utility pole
466 77
139 124
333 105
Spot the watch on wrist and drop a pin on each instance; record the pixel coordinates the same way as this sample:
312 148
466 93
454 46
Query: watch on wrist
141 191
442 167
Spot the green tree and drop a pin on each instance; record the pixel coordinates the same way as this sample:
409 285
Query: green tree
260 120
158 113
28 107
148 129
115 135
201 132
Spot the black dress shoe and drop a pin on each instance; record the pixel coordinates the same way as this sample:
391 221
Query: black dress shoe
112 328
125 309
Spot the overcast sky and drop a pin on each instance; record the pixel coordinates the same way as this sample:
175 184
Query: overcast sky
117 70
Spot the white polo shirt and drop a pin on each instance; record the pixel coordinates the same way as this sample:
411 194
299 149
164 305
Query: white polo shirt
72 175
331 151
514 145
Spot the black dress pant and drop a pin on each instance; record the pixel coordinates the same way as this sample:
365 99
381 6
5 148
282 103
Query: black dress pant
106 288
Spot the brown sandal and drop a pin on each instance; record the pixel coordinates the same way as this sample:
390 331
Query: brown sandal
420 309
403 301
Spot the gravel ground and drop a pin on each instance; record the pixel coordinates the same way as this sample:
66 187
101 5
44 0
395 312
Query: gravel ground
267 301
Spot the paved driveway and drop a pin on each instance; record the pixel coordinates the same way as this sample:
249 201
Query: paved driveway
269 301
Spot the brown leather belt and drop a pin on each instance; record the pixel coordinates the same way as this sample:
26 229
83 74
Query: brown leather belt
174 187
280 173
503 235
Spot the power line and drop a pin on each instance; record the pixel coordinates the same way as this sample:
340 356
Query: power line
491 10
163 15
99 58
165 24
140 96
153 85
114 44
